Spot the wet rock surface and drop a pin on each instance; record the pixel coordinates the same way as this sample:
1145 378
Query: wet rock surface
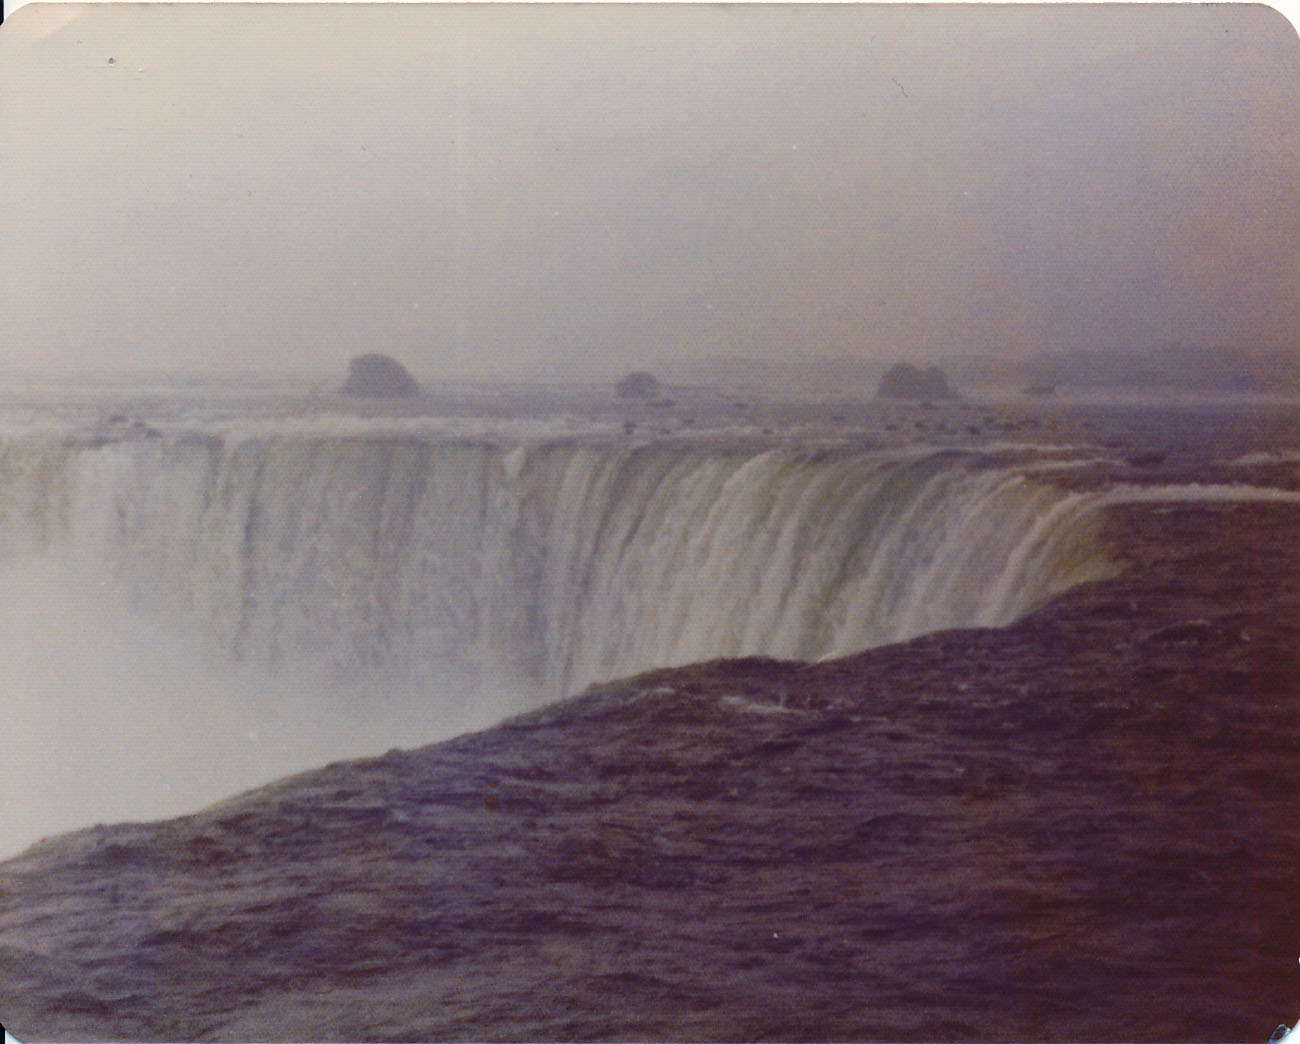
1081 827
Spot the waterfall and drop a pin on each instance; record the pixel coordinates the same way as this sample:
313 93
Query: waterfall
552 564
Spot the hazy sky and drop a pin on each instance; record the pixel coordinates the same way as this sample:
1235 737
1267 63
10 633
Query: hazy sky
544 189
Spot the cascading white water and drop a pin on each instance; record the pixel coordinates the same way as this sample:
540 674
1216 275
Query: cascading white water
550 565
188 614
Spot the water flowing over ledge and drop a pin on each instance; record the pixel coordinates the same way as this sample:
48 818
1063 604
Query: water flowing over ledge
549 565
195 608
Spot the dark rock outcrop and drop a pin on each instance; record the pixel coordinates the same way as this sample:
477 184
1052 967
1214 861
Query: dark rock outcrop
904 381
380 377
637 385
